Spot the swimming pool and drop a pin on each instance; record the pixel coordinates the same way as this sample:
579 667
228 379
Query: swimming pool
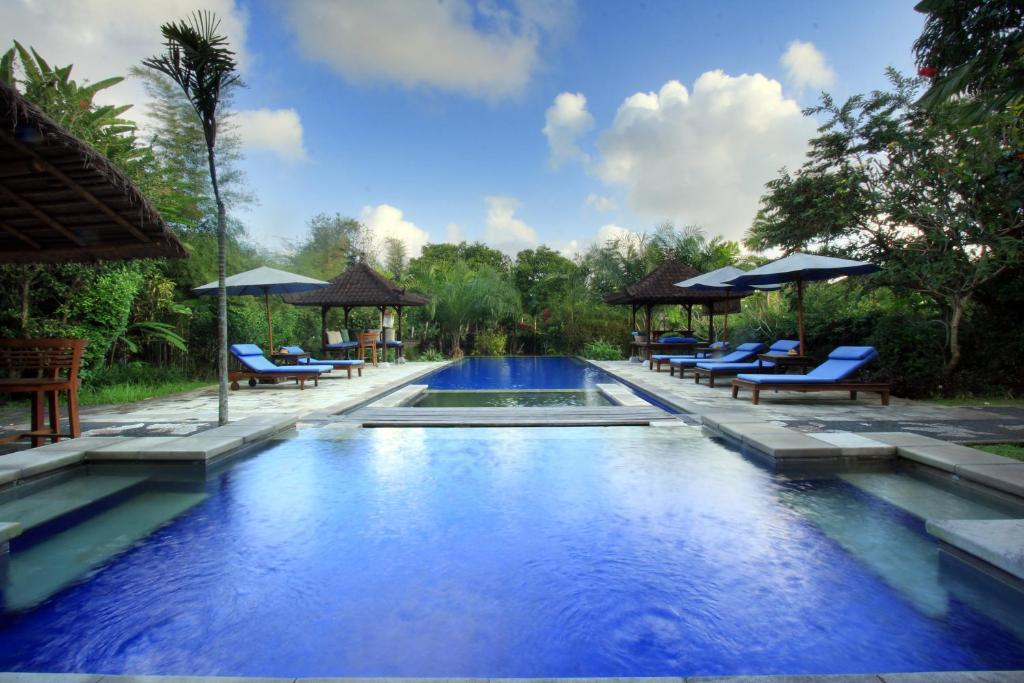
522 552
514 381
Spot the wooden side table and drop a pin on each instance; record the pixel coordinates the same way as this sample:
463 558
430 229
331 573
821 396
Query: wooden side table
784 361
289 358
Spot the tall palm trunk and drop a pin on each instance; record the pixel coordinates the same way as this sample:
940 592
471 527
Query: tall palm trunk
222 295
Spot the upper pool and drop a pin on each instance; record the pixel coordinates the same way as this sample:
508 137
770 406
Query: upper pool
509 552
517 373
511 381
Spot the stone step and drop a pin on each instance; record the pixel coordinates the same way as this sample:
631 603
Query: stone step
66 499
39 571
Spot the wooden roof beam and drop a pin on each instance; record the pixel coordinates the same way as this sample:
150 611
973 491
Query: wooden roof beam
14 197
14 232
77 188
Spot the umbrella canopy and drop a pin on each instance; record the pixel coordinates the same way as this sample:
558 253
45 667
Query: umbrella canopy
717 280
265 281
801 268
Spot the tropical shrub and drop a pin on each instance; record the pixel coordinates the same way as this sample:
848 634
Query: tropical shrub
599 349
490 343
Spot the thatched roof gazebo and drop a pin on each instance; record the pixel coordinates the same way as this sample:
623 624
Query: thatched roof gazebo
61 200
658 288
359 286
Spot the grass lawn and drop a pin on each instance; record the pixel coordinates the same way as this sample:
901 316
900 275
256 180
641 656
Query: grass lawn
130 392
1007 450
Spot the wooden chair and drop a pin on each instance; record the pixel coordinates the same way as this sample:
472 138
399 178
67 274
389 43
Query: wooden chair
43 367
368 347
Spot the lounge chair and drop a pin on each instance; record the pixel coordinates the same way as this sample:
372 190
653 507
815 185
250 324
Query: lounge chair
336 363
743 352
339 341
831 375
658 359
712 369
256 366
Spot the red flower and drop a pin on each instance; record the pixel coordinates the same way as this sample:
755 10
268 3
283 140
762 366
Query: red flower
928 72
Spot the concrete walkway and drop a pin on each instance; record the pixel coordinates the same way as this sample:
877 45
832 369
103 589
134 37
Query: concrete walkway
830 411
195 411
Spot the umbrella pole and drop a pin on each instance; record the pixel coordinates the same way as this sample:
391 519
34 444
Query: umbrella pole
270 322
800 312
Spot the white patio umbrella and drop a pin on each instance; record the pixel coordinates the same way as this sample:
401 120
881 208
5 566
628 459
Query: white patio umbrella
265 281
801 268
716 279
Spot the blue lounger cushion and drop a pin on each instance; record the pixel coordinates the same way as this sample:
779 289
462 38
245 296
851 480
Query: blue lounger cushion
342 345
784 346
252 358
677 340
842 362
743 352
313 361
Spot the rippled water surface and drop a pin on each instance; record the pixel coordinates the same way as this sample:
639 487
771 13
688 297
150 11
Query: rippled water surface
527 552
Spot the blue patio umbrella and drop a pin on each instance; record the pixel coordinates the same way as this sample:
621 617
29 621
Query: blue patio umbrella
801 268
265 281
717 279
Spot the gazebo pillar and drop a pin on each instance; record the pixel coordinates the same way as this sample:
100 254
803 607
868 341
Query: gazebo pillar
632 319
689 317
323 328
347 309
649 309
711 322
398 336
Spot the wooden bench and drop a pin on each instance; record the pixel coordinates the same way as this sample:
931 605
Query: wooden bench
43 368
881 388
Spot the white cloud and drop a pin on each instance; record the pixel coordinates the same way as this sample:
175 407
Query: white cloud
600 203
454 234
565 122
478 48
384 221
103 38
703 157
612 233
806 66
503 230
275 130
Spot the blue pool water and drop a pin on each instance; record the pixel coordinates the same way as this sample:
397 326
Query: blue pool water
527 552
518 373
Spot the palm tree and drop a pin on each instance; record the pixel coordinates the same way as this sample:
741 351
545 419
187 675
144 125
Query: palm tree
199 60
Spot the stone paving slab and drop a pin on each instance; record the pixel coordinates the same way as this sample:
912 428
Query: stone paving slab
955 677
792 445
1000 542
950 456
904 439
620 395
1007 477
9 530
827 678
857 445
199 447
400 397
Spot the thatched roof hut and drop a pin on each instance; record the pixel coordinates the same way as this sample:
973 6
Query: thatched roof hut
61 200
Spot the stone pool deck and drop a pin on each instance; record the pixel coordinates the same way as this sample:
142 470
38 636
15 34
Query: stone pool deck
829 411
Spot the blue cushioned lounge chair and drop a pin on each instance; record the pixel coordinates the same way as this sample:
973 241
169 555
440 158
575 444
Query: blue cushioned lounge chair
832 375
659 359
336 364
336 343
256 366
743 352
719 368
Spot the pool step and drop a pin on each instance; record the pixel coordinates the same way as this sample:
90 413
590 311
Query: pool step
49 565
926 500
544 416
61 505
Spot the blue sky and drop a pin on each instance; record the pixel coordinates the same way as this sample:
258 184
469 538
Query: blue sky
438 120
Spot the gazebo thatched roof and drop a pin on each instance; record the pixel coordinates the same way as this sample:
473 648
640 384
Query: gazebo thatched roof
360 285
659 287
61 200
